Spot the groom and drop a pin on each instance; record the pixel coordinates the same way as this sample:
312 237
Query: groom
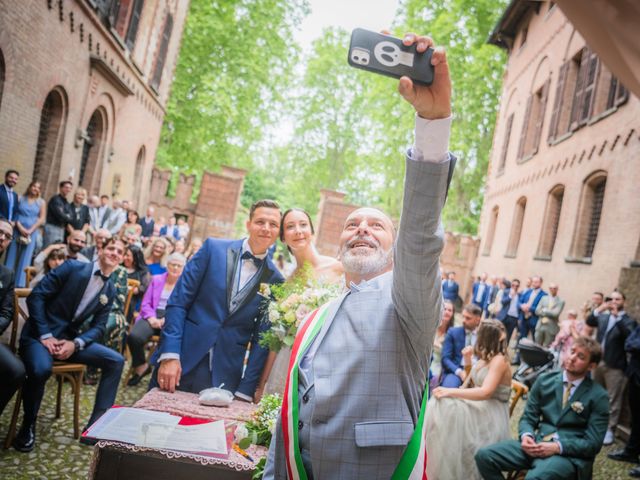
213 312
356 385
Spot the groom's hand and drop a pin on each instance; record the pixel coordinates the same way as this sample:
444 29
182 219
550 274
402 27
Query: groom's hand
434 101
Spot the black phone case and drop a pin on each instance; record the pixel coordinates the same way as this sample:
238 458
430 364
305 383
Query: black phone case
387 55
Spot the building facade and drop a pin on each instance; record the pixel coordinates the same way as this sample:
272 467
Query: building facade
83 90
562 197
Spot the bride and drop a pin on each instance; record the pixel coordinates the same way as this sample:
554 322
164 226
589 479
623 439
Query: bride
297 233
467 418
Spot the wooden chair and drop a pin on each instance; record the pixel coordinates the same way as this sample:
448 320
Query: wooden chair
72 372
30 272
131 286
519 390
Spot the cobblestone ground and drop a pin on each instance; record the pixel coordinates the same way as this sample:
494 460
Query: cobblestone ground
59 456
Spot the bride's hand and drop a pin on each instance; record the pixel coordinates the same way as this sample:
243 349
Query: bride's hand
442 392
433 101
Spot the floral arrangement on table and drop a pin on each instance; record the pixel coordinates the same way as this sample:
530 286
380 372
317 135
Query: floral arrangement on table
260 429
289 304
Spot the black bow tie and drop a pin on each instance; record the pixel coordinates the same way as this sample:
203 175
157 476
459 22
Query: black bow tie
98 273
247 255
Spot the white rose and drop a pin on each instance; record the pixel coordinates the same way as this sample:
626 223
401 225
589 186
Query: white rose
241 433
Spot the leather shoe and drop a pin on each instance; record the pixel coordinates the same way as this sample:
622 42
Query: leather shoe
623 456
26 438
635 472
135 378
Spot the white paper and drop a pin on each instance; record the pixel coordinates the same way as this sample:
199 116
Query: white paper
206 438
125 424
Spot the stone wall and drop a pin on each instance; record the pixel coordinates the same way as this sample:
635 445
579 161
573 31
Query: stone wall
332 213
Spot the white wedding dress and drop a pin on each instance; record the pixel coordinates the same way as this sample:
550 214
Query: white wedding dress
457 428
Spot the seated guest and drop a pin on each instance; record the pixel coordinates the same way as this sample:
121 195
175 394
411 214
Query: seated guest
99 238
456 340
151 318
472 417
562 427
570 329
446 322
11 368
59 304
76 241
155 257
133 262
450 287
179 247
631 450
55 258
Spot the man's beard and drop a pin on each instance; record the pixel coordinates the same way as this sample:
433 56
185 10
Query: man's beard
73 249
365 264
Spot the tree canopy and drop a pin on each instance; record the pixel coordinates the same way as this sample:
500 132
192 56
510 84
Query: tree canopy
240 76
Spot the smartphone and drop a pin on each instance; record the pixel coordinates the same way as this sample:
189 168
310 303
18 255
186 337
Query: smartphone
387 55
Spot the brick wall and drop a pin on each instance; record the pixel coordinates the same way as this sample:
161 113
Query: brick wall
65 46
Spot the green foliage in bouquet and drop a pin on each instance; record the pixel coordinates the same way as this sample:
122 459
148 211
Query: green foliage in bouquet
263 422
290 303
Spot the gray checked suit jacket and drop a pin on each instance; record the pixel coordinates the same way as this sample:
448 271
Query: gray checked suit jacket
371 364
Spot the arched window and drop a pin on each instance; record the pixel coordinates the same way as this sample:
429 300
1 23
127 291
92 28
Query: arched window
92 152
550 223
1 76
516 228
46 167
493 221
138 174
161 54
589 213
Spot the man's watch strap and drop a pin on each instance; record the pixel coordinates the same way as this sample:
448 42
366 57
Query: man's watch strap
79 345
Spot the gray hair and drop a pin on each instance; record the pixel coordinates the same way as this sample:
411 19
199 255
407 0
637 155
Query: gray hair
177 258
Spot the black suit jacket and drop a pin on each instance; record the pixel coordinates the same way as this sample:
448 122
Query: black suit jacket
6 297
147 227
80 217
632 347
4 203
614 354
59 211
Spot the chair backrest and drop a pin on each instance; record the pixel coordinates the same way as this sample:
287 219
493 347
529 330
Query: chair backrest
18 312
131 285
30 272
519 390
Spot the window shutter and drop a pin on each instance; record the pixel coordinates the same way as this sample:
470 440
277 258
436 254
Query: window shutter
525 126
557 102
540 119
132 30
162 53
577 95
589 88
505 144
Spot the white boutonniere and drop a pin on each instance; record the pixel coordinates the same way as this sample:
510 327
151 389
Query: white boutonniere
264 290
103 299
577 407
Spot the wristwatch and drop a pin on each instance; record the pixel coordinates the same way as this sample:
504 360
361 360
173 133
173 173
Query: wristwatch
78 344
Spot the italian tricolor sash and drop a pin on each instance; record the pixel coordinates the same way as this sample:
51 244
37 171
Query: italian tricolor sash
413 463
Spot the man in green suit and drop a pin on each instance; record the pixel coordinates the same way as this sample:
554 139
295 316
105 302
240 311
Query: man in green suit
563 424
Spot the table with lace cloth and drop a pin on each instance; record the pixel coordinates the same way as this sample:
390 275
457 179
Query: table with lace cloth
115 460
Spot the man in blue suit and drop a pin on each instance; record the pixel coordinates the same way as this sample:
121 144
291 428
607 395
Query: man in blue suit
450 288
58 306
528 304
480 291
213 313
457 339
9 198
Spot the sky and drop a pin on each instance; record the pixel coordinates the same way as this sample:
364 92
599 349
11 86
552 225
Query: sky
348 14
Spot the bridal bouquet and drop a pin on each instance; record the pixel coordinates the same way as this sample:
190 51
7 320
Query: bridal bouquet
290 303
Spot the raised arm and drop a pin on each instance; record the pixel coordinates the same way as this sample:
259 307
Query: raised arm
417 291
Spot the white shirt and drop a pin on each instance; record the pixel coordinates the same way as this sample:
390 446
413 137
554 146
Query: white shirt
513 306
248 268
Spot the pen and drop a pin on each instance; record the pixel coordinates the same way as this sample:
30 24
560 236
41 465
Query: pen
243 453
